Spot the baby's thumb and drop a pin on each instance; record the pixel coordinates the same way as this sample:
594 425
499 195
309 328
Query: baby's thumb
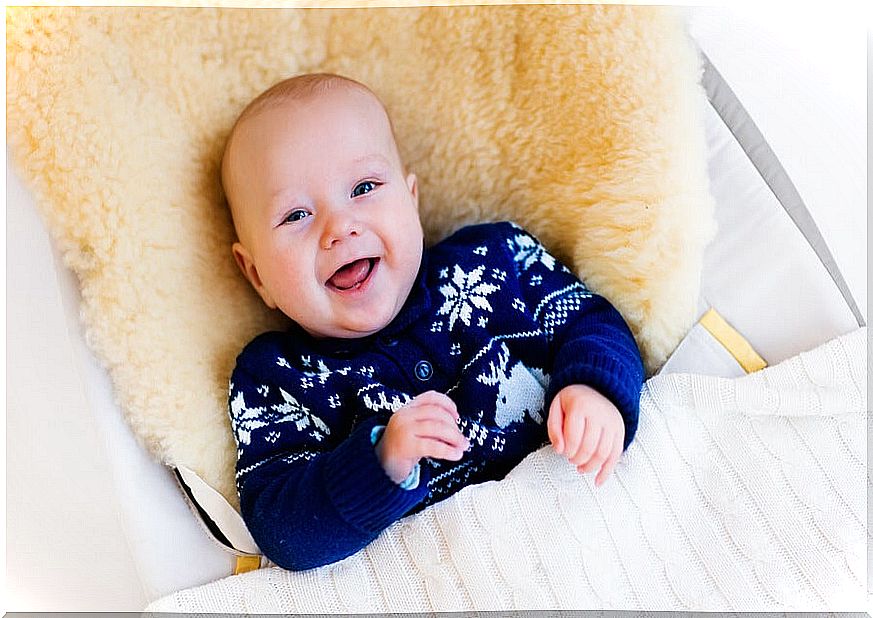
555 425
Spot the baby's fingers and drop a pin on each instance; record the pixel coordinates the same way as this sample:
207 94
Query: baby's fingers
611 461
577 428
430 411
600 454
589 447
442 430
437 449
555 425
439 400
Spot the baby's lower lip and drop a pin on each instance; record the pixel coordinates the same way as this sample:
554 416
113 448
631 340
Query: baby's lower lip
360 287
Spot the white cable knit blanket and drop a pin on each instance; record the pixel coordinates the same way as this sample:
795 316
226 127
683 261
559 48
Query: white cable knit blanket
745 494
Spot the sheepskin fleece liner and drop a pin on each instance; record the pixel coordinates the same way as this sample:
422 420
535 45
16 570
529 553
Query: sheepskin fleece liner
582 123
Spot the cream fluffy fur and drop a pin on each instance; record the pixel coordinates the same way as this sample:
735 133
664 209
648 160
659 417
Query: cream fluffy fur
582 123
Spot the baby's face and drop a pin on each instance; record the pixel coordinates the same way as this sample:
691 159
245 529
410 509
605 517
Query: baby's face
328 224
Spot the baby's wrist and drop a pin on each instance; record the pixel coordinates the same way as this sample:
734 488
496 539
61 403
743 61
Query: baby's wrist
397 471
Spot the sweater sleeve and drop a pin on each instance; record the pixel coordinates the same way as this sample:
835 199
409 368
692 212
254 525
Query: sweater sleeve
308 495
590 342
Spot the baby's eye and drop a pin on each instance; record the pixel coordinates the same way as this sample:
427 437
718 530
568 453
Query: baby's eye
295 216
363 187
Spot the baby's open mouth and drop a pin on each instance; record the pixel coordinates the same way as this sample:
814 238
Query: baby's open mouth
353 275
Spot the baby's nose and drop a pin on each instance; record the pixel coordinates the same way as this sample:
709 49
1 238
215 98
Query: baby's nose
338 229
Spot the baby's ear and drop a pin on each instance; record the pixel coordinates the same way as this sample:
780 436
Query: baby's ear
412 183
250 271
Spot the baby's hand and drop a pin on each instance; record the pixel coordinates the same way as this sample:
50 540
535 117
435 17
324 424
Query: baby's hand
424 427
587 428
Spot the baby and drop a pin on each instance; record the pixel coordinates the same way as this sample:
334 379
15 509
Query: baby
408 373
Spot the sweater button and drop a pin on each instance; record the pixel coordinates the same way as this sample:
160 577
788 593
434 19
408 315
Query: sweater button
423 370
391 342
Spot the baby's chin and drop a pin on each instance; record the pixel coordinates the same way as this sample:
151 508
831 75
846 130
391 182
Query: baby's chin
365 326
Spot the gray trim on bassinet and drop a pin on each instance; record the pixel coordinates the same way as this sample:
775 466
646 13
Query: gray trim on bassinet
752 141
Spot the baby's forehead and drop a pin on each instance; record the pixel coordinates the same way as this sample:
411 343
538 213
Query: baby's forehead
348 107
339 118
346 96
326 115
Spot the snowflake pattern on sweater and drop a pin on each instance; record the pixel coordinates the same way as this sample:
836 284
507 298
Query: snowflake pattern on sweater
493 320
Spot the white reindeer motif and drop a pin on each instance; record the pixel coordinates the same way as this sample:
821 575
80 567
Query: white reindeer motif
520 391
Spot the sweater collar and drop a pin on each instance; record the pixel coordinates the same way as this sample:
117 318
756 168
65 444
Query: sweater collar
416 304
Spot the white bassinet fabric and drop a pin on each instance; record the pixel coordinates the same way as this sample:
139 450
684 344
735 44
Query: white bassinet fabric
760 272
700 352
738 494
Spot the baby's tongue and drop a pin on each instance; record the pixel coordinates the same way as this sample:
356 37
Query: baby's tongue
350 274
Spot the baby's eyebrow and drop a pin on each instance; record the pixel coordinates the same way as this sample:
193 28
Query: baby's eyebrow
277 195
375 157
281 202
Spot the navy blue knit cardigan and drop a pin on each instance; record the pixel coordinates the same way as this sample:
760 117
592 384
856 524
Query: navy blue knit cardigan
493 320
